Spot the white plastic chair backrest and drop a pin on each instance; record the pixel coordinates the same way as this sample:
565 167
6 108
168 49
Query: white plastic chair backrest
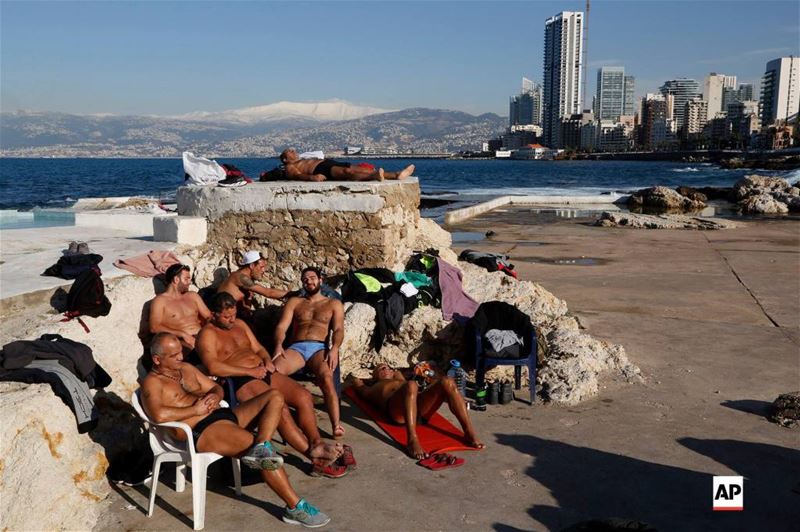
160 438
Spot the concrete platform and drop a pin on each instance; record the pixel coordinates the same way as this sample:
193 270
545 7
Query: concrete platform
344 196
26 253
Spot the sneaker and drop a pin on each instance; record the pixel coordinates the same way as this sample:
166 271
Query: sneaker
305 514
232 182
333 470
263 457
347 459
72 249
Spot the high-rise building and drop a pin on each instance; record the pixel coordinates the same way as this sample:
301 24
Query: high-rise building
526 108
695 116
780 90
657 128
629 106
713 87
563 57
746 92
683 90
610 102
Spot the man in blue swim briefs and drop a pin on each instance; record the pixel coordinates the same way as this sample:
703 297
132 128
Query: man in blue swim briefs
328 169
312 317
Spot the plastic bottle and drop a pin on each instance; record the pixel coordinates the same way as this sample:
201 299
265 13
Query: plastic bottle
457 373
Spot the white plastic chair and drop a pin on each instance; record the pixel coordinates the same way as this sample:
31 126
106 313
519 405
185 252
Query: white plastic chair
166 449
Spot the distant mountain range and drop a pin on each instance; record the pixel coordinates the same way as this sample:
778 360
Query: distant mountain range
260 131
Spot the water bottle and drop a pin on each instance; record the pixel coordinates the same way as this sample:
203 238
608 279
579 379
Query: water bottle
457 373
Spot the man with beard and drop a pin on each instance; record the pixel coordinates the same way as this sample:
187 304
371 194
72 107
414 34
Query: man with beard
241 284
312 317
176 391
178 311
228 348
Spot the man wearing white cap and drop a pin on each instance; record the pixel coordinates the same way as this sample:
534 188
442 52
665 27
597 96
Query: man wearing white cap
241 284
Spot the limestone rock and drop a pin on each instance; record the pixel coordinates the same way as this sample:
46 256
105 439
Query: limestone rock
51 477
661 221
692 194
753 185
431 235
663 199
763 204
785 410
574 361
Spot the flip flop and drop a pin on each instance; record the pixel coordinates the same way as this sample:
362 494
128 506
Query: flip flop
441 461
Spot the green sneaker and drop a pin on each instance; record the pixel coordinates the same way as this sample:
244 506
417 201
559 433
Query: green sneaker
263 457
305 514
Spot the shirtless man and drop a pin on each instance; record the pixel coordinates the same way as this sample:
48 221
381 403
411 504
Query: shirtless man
311 317
403 403
178 311
323 169
176 391
228 348
241 284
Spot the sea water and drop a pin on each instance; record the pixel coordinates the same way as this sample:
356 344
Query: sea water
47 183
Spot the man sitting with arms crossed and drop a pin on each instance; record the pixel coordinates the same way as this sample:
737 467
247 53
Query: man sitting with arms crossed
241 284
177 391
403 403
324 169
178 311
311 317
228 348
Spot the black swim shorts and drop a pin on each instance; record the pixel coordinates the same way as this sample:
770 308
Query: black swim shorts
325 166
234 384
220 414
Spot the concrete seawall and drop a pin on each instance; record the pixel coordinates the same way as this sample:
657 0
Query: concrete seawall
459 215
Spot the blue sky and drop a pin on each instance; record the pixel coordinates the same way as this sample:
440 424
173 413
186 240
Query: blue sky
177 57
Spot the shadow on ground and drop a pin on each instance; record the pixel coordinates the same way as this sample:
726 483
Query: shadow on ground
591 484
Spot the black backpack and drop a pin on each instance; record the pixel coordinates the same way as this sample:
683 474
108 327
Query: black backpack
87 297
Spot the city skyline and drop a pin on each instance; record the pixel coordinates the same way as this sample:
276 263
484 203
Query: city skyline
160 58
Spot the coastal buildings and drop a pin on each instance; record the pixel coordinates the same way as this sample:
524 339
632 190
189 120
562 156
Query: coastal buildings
526 107
780 90
714 86
610 101
563 47
695 116
657 127
629 105
682 90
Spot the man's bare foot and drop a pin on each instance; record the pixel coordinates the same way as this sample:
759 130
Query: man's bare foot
407 171
324 453
378 175
338 431
415 450
473 442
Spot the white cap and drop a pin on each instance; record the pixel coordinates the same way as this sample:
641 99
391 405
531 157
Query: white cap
249 257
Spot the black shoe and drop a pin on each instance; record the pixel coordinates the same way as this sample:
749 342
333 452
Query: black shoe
232 182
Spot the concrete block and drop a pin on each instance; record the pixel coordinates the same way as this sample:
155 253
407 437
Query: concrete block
139 224
191 230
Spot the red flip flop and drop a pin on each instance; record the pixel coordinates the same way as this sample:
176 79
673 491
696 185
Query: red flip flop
441 461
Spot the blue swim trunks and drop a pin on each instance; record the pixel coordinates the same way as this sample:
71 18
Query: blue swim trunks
307 349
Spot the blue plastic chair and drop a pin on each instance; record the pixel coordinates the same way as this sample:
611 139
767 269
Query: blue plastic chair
484 363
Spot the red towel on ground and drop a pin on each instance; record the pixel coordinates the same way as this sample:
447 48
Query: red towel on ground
150 264
438 435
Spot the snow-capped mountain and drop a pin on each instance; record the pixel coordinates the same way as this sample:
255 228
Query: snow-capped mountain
330 111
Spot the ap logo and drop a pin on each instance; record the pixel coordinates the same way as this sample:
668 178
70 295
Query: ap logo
728 494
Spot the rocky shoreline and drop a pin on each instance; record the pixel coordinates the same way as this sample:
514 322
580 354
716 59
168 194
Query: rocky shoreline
73 466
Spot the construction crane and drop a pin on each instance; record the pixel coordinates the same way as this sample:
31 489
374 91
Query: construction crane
585 53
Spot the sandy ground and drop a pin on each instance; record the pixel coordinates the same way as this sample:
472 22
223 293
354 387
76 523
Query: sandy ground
713 321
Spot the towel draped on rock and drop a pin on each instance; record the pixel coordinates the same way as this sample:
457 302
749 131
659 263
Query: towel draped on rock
151 264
